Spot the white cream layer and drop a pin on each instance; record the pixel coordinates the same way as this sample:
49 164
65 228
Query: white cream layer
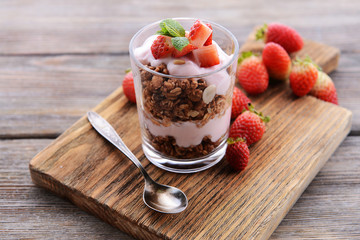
187 133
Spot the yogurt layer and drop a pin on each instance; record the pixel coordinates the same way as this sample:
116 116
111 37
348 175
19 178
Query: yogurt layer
187 133
220 79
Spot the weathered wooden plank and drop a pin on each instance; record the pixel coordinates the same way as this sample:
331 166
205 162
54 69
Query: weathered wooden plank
43 96
43 27
327 209
301 137
29 212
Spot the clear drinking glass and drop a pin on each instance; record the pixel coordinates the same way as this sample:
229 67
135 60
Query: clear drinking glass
184 119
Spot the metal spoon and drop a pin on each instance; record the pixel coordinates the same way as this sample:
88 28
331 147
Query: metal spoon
156 196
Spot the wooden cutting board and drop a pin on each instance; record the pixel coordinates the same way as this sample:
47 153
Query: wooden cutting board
301 136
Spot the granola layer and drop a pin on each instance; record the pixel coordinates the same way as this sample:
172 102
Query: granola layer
176 100
167 145
170 101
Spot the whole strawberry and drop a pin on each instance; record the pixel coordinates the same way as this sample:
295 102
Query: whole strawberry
324 88
281 34
303 76
240 102
128 87
250 125
237 153
252 74
277 61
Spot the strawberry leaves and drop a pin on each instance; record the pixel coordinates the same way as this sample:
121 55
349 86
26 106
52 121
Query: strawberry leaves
170 27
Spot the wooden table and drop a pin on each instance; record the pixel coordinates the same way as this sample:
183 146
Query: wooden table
60 59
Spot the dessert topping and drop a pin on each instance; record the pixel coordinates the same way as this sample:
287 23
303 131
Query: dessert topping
179 62
209 94
174 41
162 47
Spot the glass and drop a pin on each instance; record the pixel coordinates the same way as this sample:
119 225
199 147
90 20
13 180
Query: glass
184 119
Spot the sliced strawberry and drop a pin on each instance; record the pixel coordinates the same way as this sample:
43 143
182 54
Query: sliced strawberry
206 56
209 40
187 49
162 47
199 34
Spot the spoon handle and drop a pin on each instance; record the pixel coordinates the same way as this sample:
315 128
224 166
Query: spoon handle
108 132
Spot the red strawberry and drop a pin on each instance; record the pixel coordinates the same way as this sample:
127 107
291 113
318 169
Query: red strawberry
237 153
324 88
303 76
206 56
240 103
187 49
162 47
128 87
252 74
199 34
277 61
281 34
250 125
209 40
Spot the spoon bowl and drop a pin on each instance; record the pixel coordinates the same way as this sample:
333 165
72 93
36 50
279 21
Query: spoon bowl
161 198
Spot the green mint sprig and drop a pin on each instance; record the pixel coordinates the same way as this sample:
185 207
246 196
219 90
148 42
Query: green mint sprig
170 27
179 42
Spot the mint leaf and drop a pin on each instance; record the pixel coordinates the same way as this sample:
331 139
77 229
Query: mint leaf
163 29
179 42
165 33
172 27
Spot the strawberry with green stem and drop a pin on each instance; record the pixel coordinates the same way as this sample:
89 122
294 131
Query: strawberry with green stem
281 34
237 153
303 76
252 74
250 125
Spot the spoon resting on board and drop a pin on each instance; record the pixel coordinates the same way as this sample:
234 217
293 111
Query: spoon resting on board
161 198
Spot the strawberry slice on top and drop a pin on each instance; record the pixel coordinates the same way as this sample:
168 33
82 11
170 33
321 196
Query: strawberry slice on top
199 34
209 40
162 47
187 49
206 56
174 41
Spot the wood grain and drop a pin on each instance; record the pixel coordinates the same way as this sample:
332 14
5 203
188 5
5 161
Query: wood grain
82 27
94 35
84 168
43 96
328 208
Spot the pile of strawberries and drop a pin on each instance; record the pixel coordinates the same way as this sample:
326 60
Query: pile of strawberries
305 77
248 128
254 72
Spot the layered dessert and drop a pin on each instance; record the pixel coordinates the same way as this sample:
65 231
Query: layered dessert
186 91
